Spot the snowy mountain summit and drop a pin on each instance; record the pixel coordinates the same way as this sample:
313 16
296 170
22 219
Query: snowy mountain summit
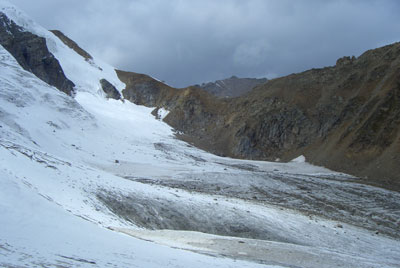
90 180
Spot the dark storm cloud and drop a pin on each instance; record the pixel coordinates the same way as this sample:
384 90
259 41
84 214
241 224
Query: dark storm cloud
188 42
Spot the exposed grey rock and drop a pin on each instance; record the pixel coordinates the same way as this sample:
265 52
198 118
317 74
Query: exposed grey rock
32 54
345 60
110 90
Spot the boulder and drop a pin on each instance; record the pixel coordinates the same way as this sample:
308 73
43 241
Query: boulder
110 90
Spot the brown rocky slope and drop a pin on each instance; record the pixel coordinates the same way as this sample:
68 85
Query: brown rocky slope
345 117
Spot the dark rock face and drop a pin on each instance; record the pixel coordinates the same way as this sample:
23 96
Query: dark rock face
110 90
345 117
33 55
232 87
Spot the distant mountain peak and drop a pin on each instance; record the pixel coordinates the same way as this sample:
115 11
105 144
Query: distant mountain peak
232 87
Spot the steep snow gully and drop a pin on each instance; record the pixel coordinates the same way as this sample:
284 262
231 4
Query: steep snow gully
87 181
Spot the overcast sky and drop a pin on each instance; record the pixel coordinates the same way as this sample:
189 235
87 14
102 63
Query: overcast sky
185 42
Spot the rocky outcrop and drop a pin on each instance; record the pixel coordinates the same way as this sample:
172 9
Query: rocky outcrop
232 87
141 89
33 55
345 117
110 90
71 44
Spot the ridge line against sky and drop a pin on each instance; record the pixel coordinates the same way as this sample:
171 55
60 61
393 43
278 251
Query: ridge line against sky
192 41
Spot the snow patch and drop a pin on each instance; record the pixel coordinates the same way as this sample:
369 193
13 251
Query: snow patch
162 113
300 159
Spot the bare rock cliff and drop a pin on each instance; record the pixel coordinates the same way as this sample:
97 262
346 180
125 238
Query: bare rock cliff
32 54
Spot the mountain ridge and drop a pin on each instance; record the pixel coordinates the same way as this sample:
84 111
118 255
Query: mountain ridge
343 117
232 87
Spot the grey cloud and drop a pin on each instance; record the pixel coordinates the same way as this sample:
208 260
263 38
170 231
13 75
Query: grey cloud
188 42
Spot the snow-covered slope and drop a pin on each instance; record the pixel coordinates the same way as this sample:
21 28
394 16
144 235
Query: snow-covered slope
48 147
86 74
77 174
